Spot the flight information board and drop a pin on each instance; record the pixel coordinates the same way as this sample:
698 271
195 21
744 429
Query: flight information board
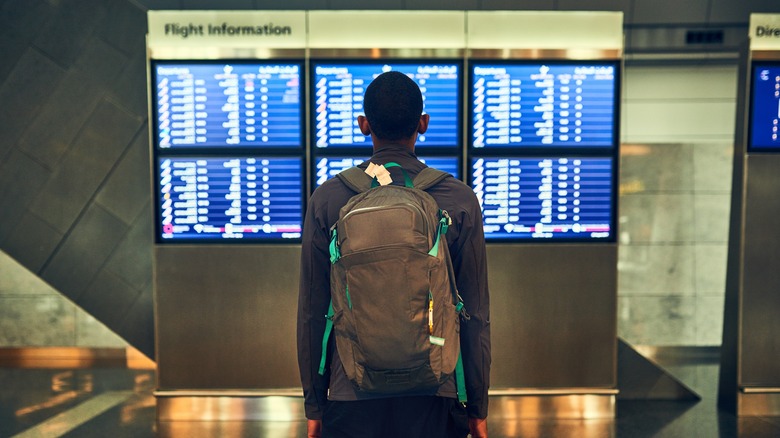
338 89
765 108
210 198
328 167
541 105
224 104
544 198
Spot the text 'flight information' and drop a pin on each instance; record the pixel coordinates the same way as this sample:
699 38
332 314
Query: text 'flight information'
328 167
219 198
544 198
338 100
543 105
228 105
766 106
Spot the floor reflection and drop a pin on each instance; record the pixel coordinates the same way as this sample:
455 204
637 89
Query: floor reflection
30 397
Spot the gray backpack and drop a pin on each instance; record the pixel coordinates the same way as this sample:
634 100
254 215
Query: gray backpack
395 310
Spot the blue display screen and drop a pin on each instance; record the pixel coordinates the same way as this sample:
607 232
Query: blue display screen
209 198
541 105
337 94
328 167
544 198
765 111
223 104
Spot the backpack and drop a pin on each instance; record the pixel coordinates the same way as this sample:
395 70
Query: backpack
395 309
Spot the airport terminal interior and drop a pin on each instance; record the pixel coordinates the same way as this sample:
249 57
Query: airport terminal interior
634 295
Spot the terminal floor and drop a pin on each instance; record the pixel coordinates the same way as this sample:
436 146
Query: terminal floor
114 402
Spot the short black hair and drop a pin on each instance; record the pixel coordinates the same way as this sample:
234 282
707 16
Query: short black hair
393 104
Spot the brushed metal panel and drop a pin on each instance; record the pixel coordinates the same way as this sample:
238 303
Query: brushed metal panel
217 406
571 407
729 363
222 407
223 52
380 53
760 336
226 316
553 315
508 53
760 404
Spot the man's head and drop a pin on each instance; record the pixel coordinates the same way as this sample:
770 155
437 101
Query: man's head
393 105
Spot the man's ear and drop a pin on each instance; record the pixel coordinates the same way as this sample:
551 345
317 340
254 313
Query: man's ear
423 125
365 128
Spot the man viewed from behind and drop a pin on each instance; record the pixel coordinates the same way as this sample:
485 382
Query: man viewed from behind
335 406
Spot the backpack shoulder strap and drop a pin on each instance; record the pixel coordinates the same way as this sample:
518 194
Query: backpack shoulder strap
356 179
429 177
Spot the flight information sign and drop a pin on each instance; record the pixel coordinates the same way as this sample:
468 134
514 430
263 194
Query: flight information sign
220 198
328 167
542 105
765 111
338 90
544 198
224 104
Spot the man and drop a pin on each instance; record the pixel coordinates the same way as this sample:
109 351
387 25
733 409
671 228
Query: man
393 117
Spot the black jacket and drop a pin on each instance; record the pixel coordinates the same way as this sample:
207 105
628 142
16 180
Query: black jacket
467 249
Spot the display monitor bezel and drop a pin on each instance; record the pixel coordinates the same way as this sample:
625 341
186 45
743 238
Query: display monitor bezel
157 207
613 205
348 149
550 148
754 67
302 76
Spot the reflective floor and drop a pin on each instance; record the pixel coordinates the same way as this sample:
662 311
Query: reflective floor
116 402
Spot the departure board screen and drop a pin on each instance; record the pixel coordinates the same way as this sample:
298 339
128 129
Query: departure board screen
337 94
328 167
541 105
544 198
209 198
224 104
765 108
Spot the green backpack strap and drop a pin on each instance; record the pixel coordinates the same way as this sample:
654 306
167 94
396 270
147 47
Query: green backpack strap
460 380
356 179
326 337
429 177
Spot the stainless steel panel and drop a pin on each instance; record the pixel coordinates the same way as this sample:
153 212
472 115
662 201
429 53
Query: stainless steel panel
598 54
760 334
553 315
226 316
224 53
219 407
380 53
572 406
763 404
769 55
729 362
183 406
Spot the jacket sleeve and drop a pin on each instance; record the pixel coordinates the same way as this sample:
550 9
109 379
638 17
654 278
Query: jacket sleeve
313 301
469 260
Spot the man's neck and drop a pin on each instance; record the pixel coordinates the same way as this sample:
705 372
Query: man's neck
405 144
